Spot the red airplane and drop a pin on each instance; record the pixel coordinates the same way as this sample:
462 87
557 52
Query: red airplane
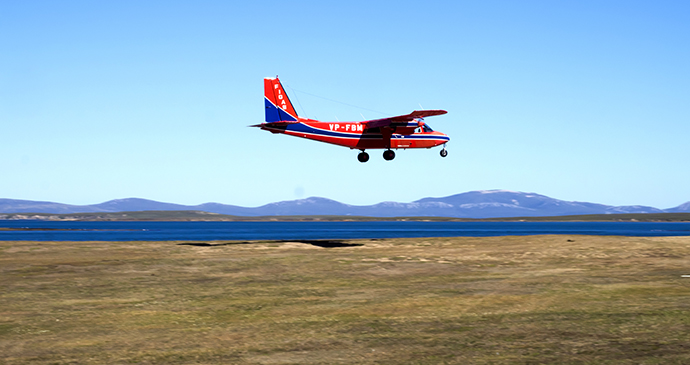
403 131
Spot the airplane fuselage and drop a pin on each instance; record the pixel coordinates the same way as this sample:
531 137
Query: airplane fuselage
355 135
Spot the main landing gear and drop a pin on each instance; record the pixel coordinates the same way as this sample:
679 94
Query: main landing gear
387 155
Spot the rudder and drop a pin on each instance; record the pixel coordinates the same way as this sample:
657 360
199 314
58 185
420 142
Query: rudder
278 105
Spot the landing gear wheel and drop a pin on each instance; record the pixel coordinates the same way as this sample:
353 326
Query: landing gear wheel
388 155
444 153
363 157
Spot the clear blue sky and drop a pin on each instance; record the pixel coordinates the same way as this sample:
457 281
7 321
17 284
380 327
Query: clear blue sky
577 100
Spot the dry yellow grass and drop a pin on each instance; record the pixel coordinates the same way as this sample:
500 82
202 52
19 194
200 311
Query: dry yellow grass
534 299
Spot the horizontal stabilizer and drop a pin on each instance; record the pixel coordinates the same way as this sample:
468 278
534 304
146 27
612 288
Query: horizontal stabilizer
276 124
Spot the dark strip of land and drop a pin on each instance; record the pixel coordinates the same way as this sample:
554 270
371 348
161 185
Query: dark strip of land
213 217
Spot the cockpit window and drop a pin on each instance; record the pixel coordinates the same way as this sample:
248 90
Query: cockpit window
426 128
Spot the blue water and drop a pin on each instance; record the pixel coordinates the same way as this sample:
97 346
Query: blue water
201 231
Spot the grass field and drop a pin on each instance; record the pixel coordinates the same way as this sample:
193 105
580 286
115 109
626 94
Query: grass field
534 299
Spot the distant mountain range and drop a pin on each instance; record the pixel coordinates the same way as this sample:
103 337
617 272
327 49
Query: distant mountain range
473 204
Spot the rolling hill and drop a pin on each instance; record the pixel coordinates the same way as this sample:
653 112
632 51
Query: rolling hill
473 204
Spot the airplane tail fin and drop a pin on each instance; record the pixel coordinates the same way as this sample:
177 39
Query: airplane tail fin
278 105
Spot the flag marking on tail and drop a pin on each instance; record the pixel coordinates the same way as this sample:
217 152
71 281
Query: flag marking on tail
278 105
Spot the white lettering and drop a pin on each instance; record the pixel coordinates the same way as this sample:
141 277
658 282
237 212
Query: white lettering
280 97
337 126
359 128
347 127
330 126
275 86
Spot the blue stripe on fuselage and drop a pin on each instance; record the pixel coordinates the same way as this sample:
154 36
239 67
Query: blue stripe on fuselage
422 136
304 128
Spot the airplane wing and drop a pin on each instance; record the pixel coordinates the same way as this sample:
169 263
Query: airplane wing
403 118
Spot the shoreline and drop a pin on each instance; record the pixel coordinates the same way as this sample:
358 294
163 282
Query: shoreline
196 216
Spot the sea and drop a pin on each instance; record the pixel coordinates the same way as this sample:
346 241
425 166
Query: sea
30 230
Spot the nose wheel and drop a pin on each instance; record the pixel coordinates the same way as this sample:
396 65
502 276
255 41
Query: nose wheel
444 153
363 157
388 155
